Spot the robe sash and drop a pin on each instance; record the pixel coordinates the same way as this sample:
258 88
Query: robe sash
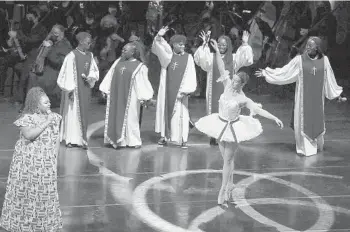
175 73
313 84
83 91
119 98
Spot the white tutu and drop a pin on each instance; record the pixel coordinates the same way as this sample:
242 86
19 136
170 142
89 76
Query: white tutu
245 128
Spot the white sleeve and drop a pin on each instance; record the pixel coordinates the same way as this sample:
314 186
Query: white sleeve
66 78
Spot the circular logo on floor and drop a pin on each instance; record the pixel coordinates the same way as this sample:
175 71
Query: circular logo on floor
167 181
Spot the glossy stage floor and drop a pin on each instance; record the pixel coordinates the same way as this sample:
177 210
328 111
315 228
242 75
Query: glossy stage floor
171 189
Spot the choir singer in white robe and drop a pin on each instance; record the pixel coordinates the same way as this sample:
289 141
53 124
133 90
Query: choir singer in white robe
177 81
77 76
315 80
126 85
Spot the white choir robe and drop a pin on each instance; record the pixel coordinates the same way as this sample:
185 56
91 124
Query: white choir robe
141 91
293 72
204 59
71 131
180 121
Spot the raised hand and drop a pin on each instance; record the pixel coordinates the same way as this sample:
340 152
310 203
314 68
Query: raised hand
245 37
203 36
259 73
162 31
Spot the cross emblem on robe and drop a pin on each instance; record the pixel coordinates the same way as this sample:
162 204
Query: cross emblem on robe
122 70
314 71
86 66
174 65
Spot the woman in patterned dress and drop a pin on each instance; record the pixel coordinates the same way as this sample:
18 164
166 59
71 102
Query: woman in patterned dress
31 199
230 128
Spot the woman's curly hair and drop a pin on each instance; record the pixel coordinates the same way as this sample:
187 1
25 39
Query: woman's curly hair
32 100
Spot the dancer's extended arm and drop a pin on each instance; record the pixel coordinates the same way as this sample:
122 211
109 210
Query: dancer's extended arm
260 111
224 74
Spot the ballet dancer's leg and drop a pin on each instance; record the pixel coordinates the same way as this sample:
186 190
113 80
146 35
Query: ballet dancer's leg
227 150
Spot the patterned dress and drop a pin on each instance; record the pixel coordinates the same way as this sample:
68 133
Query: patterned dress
31 199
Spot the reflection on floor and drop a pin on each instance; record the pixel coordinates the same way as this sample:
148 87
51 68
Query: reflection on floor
172 189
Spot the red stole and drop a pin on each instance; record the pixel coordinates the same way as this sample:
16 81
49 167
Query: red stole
175 73
312 108
83 91
119 98
217 88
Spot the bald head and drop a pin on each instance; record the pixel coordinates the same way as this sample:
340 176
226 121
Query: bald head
129 51
57 32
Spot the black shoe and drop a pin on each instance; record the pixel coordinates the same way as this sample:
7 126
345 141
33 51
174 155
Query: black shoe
162 141
191 125
135 147
213 142
184 145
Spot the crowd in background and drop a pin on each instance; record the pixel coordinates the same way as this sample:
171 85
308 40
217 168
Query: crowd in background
34 63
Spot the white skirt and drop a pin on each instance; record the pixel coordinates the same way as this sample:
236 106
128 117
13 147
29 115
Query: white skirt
245 128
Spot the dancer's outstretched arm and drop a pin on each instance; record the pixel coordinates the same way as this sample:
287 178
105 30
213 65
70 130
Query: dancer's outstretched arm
260 111
221 65
224 74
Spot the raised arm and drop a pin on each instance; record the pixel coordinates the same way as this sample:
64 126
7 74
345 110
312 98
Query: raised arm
244 55
162 49
224 74
202 57
221 65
